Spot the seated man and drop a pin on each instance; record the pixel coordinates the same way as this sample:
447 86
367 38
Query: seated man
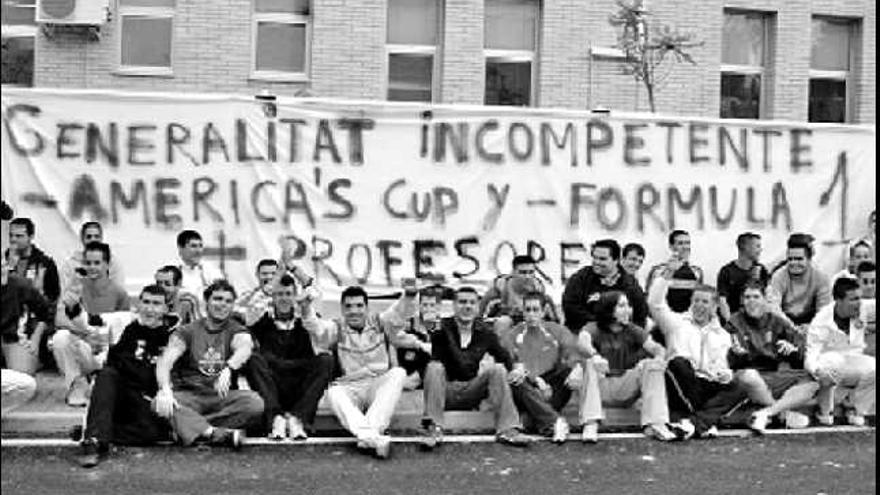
623 364
767 358
835 354
453 380
632 259
541 351
859 252
414 360
685 279
77 339
119 410
800 289
182 304
255 303
699 382
503 301
867 276
300 375
89 232
204 355
20 302
370 377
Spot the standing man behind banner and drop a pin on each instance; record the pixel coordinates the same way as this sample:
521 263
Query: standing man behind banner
732 277
684 279
196 274
88 233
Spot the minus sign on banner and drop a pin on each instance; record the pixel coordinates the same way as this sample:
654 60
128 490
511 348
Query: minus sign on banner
39 199
540 202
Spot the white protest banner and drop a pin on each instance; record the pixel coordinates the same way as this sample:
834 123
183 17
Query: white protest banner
372 192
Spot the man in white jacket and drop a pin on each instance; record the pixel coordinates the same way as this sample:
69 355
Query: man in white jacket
835 354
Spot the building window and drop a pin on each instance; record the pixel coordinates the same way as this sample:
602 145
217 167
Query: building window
830 64
19 32
511 40
280 40
413 35
744 55
146 36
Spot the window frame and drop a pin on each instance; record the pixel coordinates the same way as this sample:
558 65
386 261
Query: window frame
837 75
280 18
435 50
751 70
500 55
124 11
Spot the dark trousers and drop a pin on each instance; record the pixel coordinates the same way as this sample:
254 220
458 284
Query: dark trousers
122 415
300 390
541 413
256 371
701 400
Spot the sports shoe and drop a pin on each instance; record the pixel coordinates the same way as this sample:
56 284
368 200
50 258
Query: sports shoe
855 419
795 420
659 431
513 438
711 432
590 433
279 428
432 436
683 430
226 437
93 452
295 429
825 419
759 421
382 446
560 430
78 394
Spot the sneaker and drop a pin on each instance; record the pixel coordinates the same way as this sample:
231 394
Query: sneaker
382 446
226 437
590 433
295 428
825 419
279 428
759 421
560 430
855 419
711 432
683 430
78 394
795 420
432 437
513 438
93 452
659 431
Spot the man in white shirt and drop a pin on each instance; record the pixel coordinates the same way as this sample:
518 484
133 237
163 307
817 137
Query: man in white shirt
197 274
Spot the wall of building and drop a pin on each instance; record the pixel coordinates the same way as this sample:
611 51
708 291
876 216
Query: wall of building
211 52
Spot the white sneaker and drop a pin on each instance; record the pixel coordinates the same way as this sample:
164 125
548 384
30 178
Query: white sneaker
590 433
759 421
795 420
855 419
712 432
279 428
684 429
560 430
295 429
382 445
825 419
659 432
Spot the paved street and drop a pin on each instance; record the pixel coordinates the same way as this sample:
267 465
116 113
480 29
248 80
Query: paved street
839 463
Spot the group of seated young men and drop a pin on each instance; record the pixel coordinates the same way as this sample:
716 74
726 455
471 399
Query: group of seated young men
197 362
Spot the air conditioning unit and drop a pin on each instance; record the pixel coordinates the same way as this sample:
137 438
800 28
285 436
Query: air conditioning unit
73 12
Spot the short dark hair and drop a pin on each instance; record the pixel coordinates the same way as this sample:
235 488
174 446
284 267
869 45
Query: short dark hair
101 247
800 243
609 244
533 295
605 308
522 259
287 281
753 285
866 266
219 285
430 292
88 225
676 233
27 223
6 212
466 289
852 249
354 291
153 290
266 262
710 290
176 274
184 237
843 285
745 238
634 246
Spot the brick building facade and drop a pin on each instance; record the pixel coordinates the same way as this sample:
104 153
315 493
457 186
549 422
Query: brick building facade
771 59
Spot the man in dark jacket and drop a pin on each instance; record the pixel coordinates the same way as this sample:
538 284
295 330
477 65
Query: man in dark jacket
453 380
583 289
119 410
19 301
